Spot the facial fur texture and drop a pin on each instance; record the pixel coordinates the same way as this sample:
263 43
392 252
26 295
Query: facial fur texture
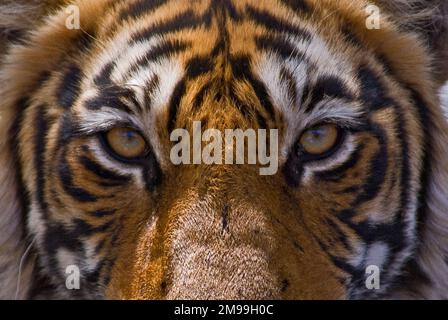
154 230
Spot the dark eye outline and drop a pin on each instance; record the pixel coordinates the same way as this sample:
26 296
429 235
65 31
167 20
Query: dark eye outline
106 146
309 157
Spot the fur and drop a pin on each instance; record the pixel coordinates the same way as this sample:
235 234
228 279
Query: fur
18 16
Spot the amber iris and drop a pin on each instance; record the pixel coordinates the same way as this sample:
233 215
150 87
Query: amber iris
126 143
320 139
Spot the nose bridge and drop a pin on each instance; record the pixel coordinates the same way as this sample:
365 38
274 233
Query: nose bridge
201 244
211 249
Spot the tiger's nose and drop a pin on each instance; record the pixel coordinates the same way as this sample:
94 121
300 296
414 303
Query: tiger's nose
218 253
210 273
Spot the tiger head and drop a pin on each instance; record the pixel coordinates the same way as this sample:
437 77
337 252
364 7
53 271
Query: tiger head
87 113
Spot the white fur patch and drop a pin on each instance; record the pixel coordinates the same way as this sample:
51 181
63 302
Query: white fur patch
444 99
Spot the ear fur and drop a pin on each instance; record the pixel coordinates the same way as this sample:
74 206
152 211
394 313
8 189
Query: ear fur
433 253
45 44
429 18
428 278
16 18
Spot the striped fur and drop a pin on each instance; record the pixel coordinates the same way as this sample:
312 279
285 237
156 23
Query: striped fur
152 230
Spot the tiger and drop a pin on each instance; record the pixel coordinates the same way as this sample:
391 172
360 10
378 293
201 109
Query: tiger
91 91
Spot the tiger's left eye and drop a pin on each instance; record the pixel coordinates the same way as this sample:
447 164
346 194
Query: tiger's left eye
320 139
126 143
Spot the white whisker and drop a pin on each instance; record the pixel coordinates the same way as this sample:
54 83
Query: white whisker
22 259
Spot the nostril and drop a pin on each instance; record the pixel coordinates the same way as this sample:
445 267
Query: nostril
225 218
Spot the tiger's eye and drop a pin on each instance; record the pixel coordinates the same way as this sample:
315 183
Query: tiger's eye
319 139
126 143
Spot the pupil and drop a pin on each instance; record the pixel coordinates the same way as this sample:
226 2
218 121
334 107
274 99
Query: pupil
129 136
318 133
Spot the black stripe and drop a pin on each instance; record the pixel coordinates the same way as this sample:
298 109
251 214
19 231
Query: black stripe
243 106
139 8
328 87
293 169
350 190
93 277
67 130
300 7
103 78
14 141
373 92
14 134
242 71
39 156
102 172
348 31
401 130
112 97
426 146
161 50
341 236
231 11
69 87
174 104
287 77
279 45
390 233
377 169
355 273
338 173
66 178
152 174
186 20
273 23
199 98
198 66
166 48
82 228
151 86
425 119
58 236
103 212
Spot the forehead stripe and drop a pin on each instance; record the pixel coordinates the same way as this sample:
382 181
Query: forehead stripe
278 45
160 51
174 103
327 87
198 66
69 89
373 92
273 23
139 8
186 20
103 78
241 68
298 6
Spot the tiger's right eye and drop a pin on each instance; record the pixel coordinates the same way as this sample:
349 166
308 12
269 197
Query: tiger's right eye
320 139
126 143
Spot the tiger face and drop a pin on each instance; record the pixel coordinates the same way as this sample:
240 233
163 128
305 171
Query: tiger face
93 110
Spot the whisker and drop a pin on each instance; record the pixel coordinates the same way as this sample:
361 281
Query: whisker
22 259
